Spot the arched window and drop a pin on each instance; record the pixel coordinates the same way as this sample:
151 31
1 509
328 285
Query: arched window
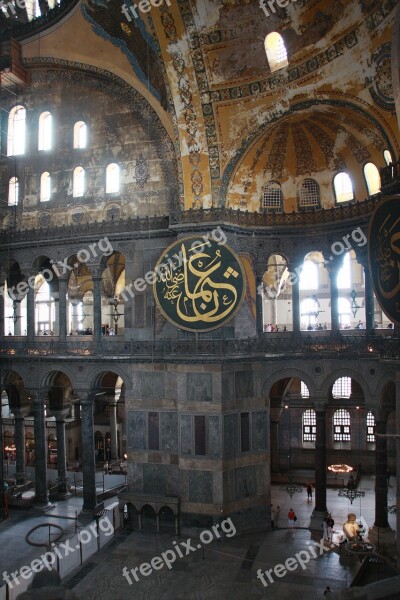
309 196
78 183
309 310
16 131
112 178
33 9
342 388
13 190
344 311
309 425
388 157
372 178
343 187
45 187
344 274
276 51
45 127
309 276
272 198
304 390
341 426
80 134
370 428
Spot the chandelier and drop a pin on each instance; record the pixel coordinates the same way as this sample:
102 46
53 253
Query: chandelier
291 488
351 494
340 468
115 314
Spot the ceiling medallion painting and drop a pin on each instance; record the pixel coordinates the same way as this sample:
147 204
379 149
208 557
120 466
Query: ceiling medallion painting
381 88
200 284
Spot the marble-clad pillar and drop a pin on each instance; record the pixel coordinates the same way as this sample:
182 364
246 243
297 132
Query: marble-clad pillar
19 438
39 424
88 452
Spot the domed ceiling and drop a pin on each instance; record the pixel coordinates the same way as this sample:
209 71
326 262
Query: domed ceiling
315 141
235 124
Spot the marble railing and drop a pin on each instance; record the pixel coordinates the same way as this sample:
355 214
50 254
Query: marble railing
270 345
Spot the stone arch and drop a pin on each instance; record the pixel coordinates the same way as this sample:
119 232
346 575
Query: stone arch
52 373
290 373
346 372
97 375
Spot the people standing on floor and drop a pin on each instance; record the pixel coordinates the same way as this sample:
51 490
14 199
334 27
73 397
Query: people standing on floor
309 491
291 519
327 590
276 514
328 527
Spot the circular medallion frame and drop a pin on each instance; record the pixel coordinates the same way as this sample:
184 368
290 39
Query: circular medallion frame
200 283
384 254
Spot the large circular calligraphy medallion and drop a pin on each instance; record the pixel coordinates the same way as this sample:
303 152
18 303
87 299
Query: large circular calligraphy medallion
384 256
199 284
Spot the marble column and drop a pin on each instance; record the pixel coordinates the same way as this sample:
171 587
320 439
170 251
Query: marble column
19 438
2 313
30 314
381 489
62 308
320 509
88 455
96 309
113 430
369 302
296 305
381 534
61 451
17 325
275 446
39 423
259 304
333 269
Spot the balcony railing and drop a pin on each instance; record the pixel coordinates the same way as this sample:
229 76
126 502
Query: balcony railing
265 219
270 346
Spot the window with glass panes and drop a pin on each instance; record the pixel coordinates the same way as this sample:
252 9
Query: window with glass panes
341 426
309 425
370 428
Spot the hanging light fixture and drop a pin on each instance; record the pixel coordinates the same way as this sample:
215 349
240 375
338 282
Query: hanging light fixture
351 494
114 302
354 305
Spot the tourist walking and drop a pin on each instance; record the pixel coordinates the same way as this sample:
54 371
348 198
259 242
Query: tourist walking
309 491
291 519
328 527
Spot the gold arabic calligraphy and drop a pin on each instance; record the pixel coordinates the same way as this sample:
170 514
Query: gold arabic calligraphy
198 297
